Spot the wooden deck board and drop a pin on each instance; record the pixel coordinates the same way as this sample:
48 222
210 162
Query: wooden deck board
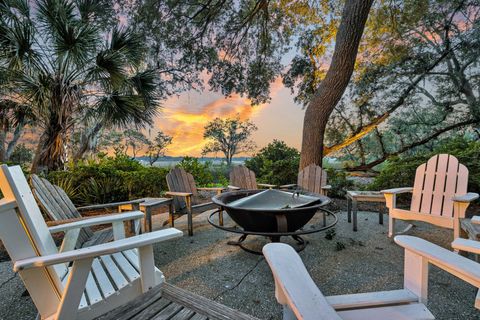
172 303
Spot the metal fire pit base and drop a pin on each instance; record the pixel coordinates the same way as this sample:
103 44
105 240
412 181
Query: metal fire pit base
274 236
301 244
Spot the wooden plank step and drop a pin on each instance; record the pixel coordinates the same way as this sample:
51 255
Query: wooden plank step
134 307
171 303
184 314
168 312
202 305
152 310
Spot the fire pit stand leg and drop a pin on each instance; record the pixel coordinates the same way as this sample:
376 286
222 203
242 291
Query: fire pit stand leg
301 243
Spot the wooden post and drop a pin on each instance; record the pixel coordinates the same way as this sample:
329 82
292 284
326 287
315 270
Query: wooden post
70 240
72 294
188 201
416 275
147 267
171 213
118 230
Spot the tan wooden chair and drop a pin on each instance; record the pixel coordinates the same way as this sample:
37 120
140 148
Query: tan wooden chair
439 195
60 209
311 179
303 300
186 199
243 178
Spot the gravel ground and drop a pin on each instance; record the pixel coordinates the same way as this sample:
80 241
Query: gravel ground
351 262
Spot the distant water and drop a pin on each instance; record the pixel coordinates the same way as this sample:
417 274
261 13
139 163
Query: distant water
166 163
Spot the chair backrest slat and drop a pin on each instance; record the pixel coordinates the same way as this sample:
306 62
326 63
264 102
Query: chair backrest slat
312 178
57 204
244 178
14 185
178 180
436 183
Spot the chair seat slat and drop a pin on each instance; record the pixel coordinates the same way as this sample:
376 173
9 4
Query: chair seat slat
126 267
115 274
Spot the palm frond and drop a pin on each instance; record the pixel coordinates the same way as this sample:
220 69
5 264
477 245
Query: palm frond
124 110
75 42
128 43
51 13
145 84
16 41
99 12
14 10
109 70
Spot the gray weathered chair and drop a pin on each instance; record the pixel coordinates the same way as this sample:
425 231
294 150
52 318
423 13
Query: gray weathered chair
186 198
243 178
58 206
311 179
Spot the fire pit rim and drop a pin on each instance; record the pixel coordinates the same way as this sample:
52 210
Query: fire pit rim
323 202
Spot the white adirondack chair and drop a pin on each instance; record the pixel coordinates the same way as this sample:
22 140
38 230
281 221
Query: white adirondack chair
439 195
101 278
301 298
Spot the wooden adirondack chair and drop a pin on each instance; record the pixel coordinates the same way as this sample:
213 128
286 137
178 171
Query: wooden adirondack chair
186 198
58 206
302 299
472 246
101 278
243 178
311 179
439 195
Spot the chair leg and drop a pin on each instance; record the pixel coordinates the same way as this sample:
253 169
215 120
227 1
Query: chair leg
391 226
220 217
189 217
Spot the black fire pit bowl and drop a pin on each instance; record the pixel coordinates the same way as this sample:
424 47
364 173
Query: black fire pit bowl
270 211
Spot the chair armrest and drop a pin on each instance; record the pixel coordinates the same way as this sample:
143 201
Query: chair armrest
294 287
466 245
327 187
461 267
468 197
266 185
178 194
98 250
287 186
397 190
233 187
106 219
109 205
475 220
54 223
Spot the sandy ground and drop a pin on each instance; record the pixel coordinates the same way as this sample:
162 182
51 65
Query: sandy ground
351 262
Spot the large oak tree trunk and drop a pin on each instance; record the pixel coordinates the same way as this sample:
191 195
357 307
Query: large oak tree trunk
331 89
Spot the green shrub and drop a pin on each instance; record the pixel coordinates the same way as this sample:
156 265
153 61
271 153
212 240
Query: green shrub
220 175
400 171
21 155
110 179
200 171
339 182
150 181
277 163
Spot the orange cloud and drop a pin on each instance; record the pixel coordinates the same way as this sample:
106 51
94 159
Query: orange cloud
185 119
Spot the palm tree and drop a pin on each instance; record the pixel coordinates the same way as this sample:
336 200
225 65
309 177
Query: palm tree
71 66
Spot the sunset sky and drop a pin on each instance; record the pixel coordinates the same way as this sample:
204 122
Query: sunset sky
184 117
